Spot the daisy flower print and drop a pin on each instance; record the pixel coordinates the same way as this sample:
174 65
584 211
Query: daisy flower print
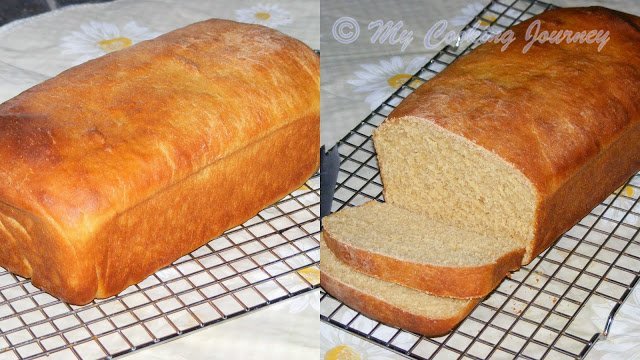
467 14
268 15
95 39
380 80
336 344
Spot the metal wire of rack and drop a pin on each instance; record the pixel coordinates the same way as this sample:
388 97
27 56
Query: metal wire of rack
272 257
538 311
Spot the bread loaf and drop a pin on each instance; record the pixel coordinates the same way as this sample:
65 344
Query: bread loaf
399 246
117 167
391 303
502 143
521 145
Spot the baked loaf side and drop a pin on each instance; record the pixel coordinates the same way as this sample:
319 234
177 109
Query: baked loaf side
396 245
520 145
390 303
119 166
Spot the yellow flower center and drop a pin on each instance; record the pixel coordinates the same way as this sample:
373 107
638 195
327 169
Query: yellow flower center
490 19
342 352
115 44
311 274
262 15
304 187
628 190
397 80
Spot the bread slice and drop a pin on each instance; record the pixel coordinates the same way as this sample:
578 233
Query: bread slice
390 303
399 246
504 143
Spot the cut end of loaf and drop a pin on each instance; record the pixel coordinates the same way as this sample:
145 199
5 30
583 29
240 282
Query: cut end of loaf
432 171
397 245
391 303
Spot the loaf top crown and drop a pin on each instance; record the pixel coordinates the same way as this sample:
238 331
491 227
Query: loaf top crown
546 111
107 134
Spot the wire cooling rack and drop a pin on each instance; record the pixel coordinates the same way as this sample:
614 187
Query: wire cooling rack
543 310
272 257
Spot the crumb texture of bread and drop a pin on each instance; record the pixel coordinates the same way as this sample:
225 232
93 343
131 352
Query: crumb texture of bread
397 245
390 303
516 144
117 167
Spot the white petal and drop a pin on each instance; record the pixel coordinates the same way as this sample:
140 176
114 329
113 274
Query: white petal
415 65
387 66
357 82
91 31
375 86
367 75
110 31
134 31
376 70
397 62
376 98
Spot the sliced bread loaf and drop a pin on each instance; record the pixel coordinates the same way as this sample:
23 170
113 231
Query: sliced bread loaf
390 303
520 145
399 246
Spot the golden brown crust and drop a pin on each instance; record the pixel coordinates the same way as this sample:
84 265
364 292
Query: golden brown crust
587 188
455 282
569 112
30 247
256 176
378 309
113 167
